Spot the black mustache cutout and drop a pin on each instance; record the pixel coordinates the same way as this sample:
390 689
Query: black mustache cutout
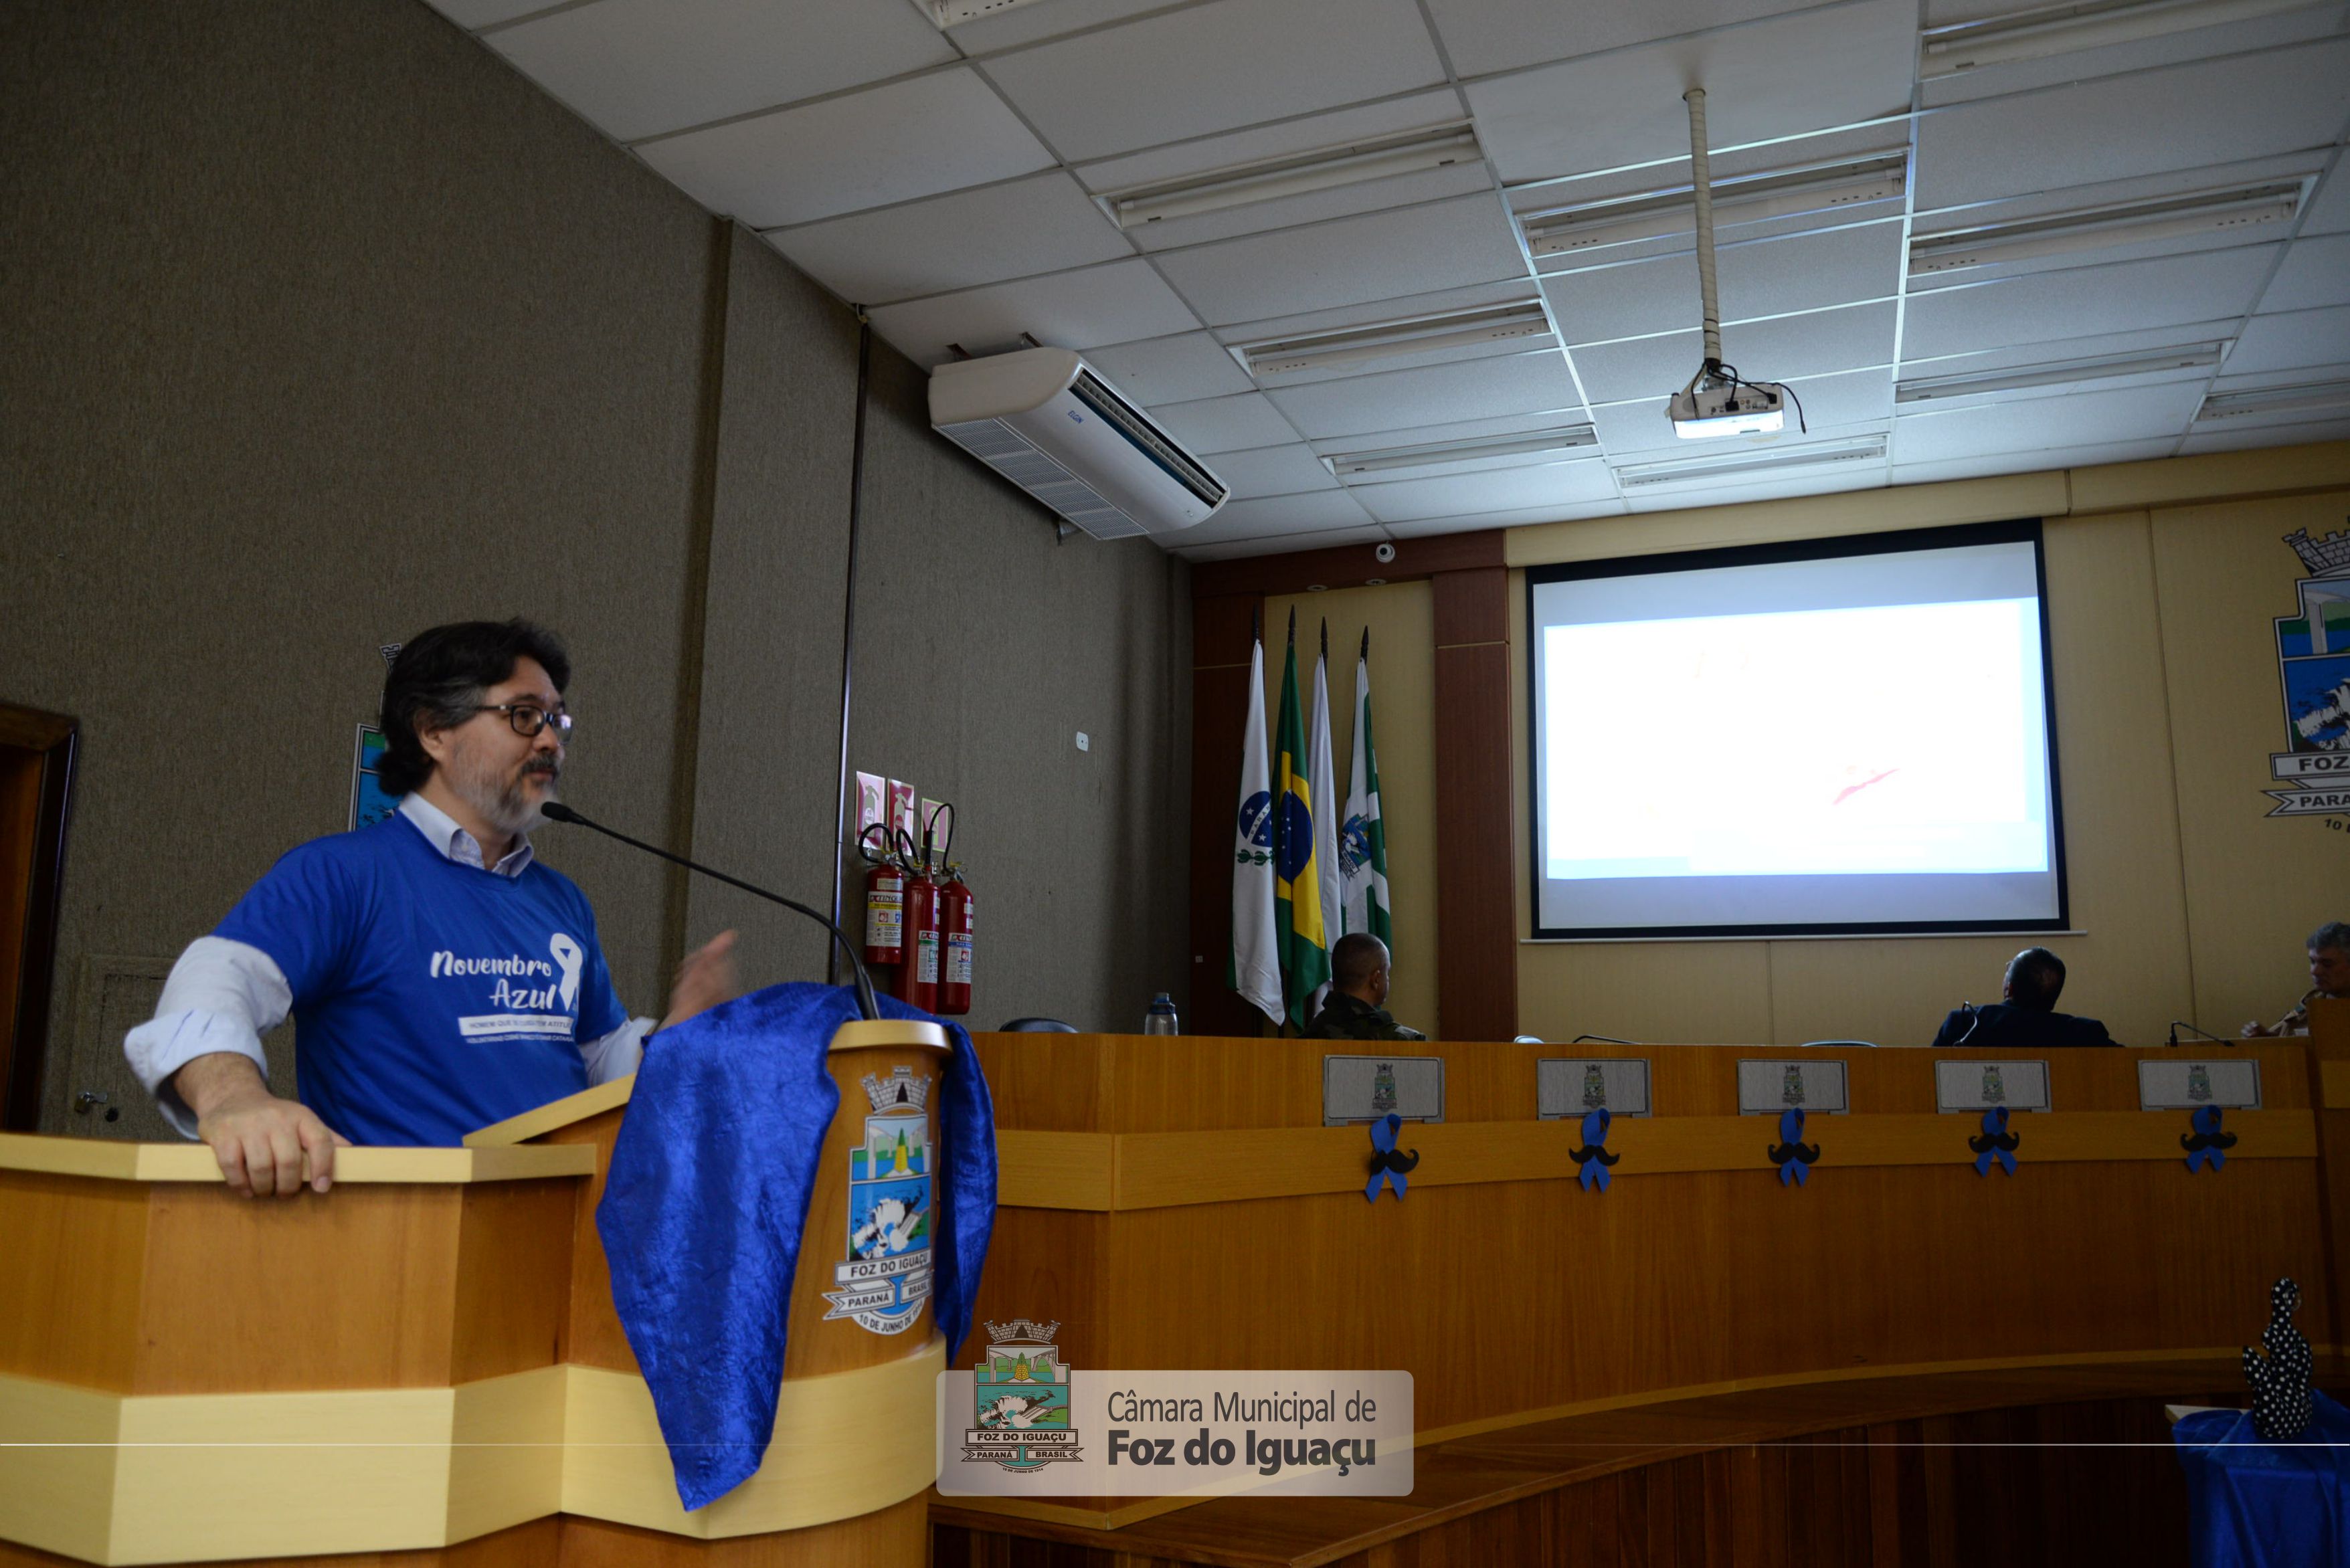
2197 1142
1586 1156
1990 1141
1801 1153
1395 1160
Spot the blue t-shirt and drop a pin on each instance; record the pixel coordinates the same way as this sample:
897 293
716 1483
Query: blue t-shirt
430 997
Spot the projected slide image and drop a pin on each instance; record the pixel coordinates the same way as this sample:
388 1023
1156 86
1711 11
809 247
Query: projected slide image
1885 739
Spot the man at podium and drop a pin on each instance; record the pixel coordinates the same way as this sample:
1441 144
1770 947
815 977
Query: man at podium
442 978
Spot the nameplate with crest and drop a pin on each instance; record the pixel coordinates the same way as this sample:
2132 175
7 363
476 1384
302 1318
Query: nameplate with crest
1979 1085
2167 1085
1566 1088
1365 1088
1815 1086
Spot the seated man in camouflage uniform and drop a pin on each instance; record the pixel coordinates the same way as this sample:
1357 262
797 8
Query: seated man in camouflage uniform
1359 986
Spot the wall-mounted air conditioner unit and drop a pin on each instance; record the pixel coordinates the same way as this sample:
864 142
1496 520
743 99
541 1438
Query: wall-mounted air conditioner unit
1045 420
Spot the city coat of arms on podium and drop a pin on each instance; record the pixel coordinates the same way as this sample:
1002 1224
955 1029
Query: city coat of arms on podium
886 1275
2314 666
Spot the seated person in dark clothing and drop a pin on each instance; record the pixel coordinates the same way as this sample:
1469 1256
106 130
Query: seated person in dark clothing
2025 1017
1358 984
2329 975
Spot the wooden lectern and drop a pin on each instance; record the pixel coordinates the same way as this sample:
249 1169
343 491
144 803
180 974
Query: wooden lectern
426 1359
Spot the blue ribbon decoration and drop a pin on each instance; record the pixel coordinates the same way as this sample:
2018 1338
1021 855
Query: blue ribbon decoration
2207 1144
1793 1156
1593 1157
1997 1146
1386 1165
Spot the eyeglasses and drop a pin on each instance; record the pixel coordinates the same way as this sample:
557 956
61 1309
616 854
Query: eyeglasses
529 719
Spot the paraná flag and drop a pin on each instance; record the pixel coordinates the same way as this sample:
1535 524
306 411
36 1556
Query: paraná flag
1296 880
1255 970
1363 849
1325 778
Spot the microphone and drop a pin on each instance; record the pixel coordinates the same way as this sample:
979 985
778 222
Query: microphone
1605 1039
1974 1018
2178 1024
555 811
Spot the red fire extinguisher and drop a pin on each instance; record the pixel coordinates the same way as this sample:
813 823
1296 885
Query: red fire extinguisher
885 900
917 978
954 919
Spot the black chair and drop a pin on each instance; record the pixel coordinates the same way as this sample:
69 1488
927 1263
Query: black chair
1037 1026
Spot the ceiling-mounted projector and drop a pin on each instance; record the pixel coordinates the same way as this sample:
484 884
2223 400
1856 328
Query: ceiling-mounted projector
1715 405
1718 401
1045 420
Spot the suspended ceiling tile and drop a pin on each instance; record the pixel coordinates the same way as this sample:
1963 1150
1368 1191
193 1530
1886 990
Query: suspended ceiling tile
2315 273
1822 343
2214 111
957 241
1400 400
2224 438
2031 461
640 68
892 143
1181 368
2234 37
1272 470
1470 523
1275 545
1108 304
1642 429
2291 341
1379 255
1832 66
1275 515
2043 307
1225 424
1550 485
1767 277
1488 36
2329 209
1214 68
2037 424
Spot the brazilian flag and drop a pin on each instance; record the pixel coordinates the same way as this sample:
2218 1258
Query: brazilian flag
1297 915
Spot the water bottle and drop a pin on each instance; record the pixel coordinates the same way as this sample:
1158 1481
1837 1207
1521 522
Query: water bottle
1160 1018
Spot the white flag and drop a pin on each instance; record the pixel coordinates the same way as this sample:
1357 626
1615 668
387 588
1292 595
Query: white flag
1364 857
1256 957
1323 779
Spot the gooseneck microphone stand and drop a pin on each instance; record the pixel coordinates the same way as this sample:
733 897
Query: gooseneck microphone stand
555 811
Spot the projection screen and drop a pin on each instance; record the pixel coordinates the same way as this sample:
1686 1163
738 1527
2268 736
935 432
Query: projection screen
1836 736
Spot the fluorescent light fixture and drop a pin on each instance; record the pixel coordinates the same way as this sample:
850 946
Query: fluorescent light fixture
1445 453
1731 466
1320 168
1747 199
2310 396
2103 228
1393 339
2050 30
945 14
2023 378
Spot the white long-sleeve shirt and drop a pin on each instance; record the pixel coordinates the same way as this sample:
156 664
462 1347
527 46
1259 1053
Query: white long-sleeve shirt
223 996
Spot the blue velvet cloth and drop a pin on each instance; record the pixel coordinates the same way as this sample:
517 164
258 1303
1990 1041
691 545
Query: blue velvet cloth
703 1212
2267 1505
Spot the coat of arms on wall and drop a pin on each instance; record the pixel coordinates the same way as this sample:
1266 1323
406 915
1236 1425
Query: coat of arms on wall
2314 666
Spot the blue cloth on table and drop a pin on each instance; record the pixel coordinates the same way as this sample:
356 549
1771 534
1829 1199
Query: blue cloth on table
2267 1505
708 1197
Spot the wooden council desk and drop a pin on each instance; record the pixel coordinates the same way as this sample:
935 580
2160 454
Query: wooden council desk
1176 1203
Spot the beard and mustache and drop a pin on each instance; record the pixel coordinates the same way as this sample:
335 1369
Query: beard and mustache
501 792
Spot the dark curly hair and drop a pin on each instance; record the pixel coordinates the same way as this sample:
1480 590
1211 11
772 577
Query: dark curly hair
438 680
